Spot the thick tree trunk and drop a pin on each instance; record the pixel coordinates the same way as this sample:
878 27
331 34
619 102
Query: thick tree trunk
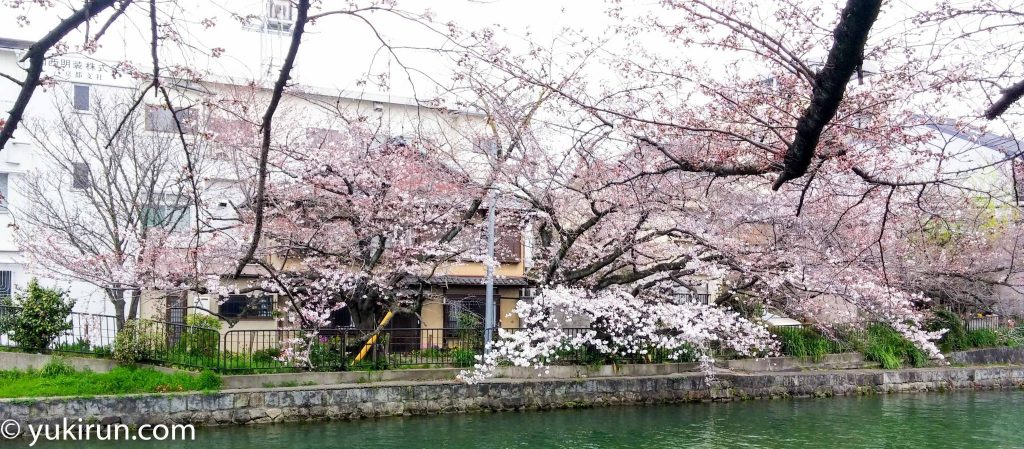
133 307
116 297
845 57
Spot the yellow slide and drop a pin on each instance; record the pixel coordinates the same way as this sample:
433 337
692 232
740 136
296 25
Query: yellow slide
373 339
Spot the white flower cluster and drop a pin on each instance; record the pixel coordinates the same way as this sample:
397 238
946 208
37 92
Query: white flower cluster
622 325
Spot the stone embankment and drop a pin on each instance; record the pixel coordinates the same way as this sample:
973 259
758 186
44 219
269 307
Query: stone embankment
420 397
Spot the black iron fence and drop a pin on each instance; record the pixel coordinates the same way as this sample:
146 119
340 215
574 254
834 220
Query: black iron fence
288 350
87 334
347 349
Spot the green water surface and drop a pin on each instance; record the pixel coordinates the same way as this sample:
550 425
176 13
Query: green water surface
966 420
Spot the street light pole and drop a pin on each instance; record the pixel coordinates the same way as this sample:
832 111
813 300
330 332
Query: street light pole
489 312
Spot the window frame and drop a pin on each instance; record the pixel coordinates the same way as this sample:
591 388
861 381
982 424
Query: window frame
164 213
186 116
5 192
250 310
6 283
277 23
75 90
452 301
81 180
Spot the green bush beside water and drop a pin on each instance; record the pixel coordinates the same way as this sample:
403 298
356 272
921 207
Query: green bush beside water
803 342
888 347
57 378
958 338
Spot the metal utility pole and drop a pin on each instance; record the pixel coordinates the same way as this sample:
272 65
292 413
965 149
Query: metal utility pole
489 312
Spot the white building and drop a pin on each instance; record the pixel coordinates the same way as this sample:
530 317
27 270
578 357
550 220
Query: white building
83 80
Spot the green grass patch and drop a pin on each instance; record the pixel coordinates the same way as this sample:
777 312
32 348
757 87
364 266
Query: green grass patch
59 379
955 338
983 338
888 347
805 343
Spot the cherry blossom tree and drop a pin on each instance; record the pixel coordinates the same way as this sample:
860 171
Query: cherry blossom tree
787 149
702 142
109 203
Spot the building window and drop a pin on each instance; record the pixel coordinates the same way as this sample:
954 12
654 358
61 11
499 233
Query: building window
3 192
508 246
280 16
175 218
245 306
80 176
5 284
161 119
464 312
81 97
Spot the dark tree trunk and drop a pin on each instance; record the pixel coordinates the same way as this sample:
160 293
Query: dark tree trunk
133 307
116 296
845 58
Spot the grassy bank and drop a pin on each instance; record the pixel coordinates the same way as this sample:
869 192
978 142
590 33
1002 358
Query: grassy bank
59 379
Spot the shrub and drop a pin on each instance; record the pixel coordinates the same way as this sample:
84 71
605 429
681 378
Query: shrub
955 338
134 343
201 336
431 353
41 318
463 357
328 353
1011 336
81 345
266 356
682 354
888 347
983 338
103 351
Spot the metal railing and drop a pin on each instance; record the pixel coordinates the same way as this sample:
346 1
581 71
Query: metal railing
347 349
289 350
88 333
177 344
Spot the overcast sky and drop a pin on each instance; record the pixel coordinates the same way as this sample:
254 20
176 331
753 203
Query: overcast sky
338 51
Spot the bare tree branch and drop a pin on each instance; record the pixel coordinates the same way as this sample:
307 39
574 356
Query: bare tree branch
1010 96
36 55
275 98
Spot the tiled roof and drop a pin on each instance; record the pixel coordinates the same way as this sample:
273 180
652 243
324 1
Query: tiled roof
996 142
502 281
16 44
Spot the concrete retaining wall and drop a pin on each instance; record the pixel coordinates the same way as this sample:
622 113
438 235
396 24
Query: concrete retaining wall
23 362
849 360
415 398
448 374
988 356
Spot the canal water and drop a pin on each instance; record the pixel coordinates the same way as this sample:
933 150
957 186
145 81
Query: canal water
988 419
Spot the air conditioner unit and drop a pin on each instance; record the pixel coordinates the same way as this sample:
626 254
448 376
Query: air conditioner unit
529 293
